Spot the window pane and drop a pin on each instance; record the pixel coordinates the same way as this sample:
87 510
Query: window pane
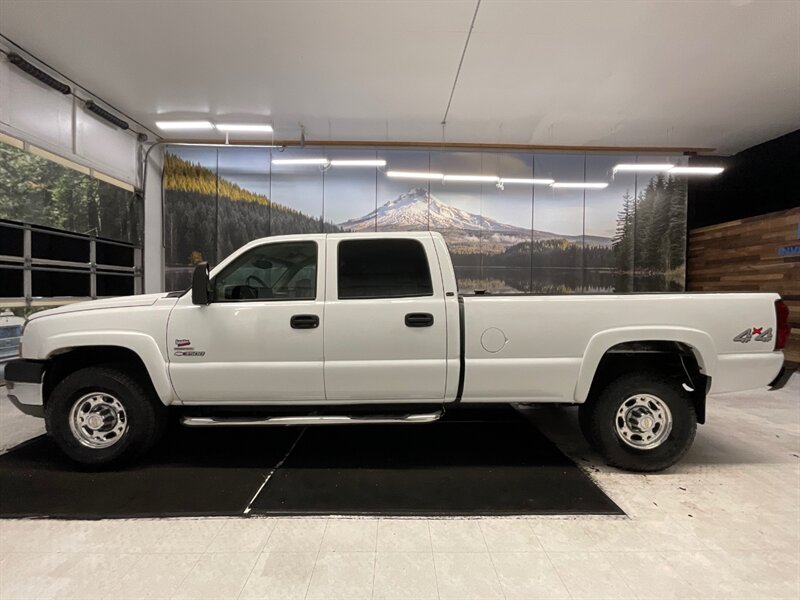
114 254
52 246
383 269
11 281
10 240
286 271
114 284
60 283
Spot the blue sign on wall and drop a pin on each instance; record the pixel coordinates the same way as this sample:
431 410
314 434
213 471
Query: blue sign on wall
787 251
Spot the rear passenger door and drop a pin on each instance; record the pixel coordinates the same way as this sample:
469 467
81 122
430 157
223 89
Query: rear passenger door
385 332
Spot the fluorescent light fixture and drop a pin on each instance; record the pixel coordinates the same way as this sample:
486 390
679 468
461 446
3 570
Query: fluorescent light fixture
359 163
528 181
183 125
414 175
475 178
696 170
643 167
579 185
244 127
299 161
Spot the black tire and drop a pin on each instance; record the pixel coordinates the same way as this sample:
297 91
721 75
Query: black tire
144 416
585 422
600 415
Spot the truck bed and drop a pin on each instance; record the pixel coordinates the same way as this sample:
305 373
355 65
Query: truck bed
536 348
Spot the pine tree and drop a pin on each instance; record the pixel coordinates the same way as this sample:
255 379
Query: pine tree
623 238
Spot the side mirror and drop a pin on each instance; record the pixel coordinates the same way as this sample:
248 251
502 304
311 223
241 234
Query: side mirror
200 293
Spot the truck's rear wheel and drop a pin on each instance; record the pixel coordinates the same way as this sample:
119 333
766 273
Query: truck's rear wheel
102 416
641 422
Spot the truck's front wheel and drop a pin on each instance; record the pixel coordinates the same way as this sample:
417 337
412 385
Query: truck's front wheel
102 416
641 422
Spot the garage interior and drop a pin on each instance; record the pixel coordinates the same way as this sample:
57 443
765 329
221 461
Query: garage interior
139 139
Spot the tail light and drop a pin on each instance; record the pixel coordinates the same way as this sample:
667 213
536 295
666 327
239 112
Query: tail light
782 324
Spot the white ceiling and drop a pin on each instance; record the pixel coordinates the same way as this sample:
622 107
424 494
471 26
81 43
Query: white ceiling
722 74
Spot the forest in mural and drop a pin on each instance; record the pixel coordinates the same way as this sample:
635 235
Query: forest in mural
630 237
198 198
651 231
42 192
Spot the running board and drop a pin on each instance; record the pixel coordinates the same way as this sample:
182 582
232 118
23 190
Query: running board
312 420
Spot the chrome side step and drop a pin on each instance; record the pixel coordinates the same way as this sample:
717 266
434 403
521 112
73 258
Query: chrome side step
312 420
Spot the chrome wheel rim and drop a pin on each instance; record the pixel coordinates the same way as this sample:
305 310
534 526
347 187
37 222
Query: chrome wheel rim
643 421
98 420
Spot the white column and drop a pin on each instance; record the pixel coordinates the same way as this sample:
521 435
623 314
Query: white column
153 226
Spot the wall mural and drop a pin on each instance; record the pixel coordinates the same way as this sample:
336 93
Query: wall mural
39 191
630 236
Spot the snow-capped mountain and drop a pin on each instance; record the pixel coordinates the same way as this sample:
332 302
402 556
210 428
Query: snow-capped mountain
417 209
413 210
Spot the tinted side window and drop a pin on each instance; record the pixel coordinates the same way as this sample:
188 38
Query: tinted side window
283 271
383 269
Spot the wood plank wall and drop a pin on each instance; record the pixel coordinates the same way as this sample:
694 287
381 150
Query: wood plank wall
743 255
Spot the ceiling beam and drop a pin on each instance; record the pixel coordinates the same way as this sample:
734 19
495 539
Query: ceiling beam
460 146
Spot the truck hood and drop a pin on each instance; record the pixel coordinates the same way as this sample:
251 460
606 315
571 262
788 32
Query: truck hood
119 302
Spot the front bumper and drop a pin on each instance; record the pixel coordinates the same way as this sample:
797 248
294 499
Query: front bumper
24 383
783 376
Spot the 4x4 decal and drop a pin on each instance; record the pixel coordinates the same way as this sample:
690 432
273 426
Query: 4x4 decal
759 334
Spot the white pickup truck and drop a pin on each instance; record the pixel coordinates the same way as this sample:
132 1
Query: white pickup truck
369 328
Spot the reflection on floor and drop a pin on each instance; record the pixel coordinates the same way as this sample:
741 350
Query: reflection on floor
723 523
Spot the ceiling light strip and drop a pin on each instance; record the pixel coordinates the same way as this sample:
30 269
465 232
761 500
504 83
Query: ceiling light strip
696 170
414 175
184 125
643 167
503 180
358 163
473 178
590 185
300 161
243 127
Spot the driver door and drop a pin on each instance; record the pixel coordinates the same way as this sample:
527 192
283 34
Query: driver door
259 341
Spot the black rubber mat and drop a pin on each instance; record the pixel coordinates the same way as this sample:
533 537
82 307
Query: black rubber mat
474 462
194 472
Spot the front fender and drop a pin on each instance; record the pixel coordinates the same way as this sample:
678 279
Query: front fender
700 342
142 344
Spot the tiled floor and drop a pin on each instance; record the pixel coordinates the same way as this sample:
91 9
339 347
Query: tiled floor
723 523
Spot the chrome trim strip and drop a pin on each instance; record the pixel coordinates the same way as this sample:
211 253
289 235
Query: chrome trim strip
310 420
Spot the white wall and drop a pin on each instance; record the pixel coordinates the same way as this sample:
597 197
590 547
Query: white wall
60 124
